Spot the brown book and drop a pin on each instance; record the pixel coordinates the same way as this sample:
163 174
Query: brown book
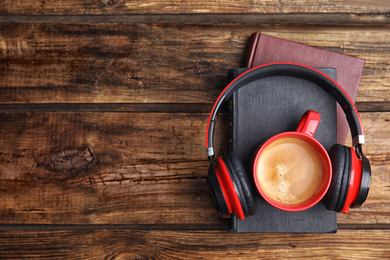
267 49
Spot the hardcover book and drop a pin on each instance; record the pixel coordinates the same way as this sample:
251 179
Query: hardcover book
264 108
266 49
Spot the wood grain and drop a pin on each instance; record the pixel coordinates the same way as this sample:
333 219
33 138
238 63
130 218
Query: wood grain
9 7
143 244
159 63
157 162
134 168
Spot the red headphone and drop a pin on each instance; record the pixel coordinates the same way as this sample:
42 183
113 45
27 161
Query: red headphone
228 181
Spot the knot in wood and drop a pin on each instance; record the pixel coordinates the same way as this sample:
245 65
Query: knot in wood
108 2
70 161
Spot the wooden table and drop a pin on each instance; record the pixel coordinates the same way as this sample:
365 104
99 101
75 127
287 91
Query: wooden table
103 111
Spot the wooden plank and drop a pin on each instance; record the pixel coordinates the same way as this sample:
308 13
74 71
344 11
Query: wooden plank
84 167
141 244
9 7
134 168
159 63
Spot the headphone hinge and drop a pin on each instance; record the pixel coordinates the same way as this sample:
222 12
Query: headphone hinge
210 152
359 151
359 139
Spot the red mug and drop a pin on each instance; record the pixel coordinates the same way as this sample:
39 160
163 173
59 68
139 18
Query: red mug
292 170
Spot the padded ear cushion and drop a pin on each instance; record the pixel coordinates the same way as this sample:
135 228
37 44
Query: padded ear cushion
242 183
217 193
364 183
336 196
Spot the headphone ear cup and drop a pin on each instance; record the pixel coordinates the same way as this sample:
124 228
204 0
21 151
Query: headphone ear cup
336 196
364 184
242 183
217 193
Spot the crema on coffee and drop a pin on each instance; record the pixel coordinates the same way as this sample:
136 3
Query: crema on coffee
289 170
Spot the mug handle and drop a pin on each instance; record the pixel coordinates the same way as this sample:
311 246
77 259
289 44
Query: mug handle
309 123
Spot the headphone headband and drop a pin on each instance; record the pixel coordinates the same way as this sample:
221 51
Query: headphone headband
294 70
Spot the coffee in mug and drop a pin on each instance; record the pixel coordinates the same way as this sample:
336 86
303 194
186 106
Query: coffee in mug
292 170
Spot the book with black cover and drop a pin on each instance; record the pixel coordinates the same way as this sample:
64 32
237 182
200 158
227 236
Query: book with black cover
264 108
266 49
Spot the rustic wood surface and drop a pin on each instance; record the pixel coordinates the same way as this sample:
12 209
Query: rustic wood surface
192 7
211 244
116 63
103 110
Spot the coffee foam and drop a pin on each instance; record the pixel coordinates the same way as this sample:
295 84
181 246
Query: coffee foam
289 170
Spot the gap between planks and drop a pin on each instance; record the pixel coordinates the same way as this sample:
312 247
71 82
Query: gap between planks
298 18
222 226
148 107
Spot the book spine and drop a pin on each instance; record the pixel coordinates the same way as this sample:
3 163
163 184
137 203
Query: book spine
252 50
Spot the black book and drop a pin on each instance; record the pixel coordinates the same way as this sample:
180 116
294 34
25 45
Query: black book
262 109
